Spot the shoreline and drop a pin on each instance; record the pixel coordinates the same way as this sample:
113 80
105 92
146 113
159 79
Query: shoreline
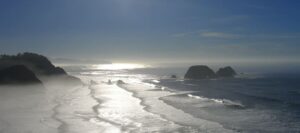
136 117
184 124
98 105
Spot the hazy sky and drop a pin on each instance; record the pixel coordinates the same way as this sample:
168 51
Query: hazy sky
153 30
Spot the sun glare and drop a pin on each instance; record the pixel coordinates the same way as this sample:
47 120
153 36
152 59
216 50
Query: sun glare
118 66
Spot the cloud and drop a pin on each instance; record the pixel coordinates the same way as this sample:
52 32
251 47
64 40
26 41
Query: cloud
278 36
208 34
230 19
180 35
235 35
184 34
221 35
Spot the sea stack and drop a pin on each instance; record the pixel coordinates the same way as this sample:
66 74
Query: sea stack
18 74
200 72
226 72
173 76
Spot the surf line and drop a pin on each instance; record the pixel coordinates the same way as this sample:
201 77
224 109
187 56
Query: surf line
163 117
145 106
63 127
98 105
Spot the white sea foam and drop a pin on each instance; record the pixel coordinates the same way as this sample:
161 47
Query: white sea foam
189 111
219 101
155 81
151 99
121 109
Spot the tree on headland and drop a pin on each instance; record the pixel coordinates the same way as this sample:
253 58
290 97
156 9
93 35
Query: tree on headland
37 63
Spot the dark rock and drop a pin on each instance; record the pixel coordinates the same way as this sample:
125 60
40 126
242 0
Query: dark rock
18 74
120 82
109 82
200 72
173 76
226 72
39 64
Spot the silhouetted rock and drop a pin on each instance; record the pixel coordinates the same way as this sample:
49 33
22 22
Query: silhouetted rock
173 76
39 64
200 72
120 82
109 82
18 74
226 72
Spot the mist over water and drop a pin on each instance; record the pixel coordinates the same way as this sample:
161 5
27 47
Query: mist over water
249 103
129 98
149 66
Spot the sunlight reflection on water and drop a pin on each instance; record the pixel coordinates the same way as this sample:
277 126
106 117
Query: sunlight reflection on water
117 66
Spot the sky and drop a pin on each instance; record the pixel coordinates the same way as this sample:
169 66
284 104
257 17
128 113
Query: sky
149 31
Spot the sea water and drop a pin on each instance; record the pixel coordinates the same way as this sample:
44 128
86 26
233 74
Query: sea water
261 103
137 101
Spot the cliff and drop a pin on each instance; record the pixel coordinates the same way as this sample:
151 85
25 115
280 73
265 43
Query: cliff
18 74
38 64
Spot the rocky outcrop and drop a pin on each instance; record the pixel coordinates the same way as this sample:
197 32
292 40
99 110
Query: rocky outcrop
18 74
204 72
38 64
226 72
120 82
173 76
200 72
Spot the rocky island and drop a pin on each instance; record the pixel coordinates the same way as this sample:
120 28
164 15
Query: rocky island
204 72
200 72
226 72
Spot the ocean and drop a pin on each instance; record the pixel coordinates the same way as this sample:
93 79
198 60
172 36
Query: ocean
260 102
266 104
148 100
